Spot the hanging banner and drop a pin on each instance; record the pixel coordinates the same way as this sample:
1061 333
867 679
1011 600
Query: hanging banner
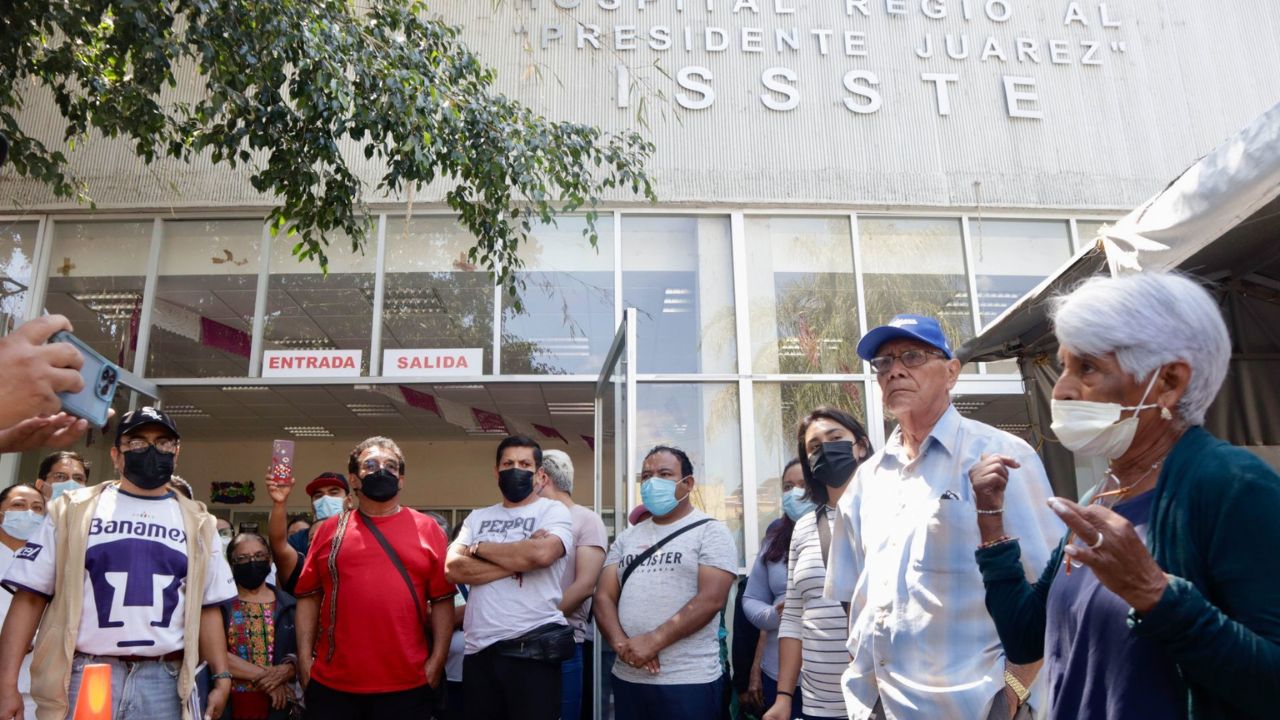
431 362
311 363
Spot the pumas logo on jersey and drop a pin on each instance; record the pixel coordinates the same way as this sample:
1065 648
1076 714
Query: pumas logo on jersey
28 551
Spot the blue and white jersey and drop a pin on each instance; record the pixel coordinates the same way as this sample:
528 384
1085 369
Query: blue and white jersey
135 575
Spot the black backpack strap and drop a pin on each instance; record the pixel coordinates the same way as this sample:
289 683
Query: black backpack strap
395 560
639 559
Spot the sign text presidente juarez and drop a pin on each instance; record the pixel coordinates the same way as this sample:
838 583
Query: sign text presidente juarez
989 34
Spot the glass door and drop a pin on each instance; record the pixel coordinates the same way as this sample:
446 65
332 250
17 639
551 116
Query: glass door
615 412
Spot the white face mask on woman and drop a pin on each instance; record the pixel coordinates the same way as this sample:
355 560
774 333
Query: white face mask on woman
22 524
1095 428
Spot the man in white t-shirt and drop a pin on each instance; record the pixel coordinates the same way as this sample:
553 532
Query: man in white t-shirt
113 568
512 555
661 617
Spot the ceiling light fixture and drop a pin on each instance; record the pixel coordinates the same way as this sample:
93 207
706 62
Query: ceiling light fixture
308 431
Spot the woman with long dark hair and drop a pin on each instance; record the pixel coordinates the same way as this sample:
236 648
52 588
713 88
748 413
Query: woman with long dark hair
812 631
762 601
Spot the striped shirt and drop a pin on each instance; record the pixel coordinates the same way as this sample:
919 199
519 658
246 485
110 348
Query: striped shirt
819 624
903 556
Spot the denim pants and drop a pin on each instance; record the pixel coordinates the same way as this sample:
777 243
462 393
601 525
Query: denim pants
640 701
571 684
146 690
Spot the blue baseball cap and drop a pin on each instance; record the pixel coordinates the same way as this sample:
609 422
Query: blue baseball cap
912 327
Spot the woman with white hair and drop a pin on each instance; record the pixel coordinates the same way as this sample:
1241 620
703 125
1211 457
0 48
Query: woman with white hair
1163 600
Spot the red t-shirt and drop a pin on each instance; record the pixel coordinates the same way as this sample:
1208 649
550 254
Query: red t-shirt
380 644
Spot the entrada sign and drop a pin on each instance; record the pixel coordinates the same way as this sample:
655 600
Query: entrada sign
432 361
311 363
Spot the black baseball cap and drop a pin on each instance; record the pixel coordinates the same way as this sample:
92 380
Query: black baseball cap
135 419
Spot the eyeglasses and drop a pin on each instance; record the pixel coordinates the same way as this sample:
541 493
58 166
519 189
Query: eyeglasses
256 557
164 445
910 358
63 477
371 466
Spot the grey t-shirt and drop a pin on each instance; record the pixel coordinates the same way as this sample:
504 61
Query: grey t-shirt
663 584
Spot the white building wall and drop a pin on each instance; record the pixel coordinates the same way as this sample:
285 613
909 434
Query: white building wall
1172 79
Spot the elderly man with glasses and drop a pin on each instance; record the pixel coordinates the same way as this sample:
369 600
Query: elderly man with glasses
373 602
902 554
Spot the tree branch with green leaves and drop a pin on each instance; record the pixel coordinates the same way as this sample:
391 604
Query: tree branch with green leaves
283 86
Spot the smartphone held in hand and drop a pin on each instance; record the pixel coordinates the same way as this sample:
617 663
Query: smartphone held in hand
101 378
282 462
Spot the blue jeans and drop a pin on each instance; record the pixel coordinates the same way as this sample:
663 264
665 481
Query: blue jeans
571 684
637 701
145 690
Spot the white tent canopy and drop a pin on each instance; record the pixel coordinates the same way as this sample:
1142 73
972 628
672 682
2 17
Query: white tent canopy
1220 222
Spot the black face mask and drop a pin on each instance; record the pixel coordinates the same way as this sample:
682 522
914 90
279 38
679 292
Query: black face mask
380 486
833 463
148 469
515 484
252 574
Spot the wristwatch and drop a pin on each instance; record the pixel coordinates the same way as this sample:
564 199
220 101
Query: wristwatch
1018 688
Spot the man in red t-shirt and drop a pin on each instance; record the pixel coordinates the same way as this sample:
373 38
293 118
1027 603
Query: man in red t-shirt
372 656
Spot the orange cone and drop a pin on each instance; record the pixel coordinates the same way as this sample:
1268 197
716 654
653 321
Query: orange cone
94 699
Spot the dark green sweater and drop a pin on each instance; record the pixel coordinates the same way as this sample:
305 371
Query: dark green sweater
1215 529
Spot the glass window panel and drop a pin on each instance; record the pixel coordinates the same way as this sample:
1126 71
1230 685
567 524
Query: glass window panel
307 310
97 271
677 271
803 295
779 407
565 324
17 250
916 265
202 325
1010 257
435 296
702 419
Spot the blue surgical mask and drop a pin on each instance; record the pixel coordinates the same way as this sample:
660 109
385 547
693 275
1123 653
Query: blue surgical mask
327 506
659 496
21 524
795 504
60 487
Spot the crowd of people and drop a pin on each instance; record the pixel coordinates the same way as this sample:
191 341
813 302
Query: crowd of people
935 577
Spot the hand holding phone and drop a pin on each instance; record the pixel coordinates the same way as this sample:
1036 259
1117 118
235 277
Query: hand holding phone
100 377
33 371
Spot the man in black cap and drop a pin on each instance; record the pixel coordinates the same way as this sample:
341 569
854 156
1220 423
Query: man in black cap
113 568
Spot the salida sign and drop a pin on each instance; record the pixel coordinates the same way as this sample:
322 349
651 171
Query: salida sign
311 363
425 362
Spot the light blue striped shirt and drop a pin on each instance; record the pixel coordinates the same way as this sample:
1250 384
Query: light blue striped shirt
920 637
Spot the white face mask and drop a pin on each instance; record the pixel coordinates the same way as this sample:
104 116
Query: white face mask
60 487
22 524
327 506
1095 428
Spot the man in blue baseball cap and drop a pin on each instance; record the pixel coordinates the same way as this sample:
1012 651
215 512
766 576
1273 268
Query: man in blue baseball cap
906 530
